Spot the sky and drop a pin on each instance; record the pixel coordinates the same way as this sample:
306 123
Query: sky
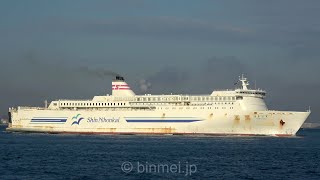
68 49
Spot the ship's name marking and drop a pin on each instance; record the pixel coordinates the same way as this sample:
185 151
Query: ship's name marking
102 120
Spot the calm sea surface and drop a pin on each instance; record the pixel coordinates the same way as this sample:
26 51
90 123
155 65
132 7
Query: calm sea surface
47 156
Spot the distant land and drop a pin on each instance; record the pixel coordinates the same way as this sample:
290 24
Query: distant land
4 121
311 126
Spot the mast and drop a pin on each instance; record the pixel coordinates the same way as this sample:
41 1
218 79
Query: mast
244 81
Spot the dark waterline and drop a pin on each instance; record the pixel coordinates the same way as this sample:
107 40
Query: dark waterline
48 156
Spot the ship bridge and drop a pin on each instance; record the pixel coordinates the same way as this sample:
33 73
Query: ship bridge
250 98
245 91
242 91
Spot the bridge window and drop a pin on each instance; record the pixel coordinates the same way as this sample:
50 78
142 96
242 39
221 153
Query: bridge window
239 97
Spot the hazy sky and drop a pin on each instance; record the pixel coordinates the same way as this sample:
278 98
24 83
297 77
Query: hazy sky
53 49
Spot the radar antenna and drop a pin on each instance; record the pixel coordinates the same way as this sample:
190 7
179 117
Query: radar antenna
245 82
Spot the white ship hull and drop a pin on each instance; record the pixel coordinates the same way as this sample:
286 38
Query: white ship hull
236 112
159 122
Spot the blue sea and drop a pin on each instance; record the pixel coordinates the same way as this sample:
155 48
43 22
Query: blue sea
57 156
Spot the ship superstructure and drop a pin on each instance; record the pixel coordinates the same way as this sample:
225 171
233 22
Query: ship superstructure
241 111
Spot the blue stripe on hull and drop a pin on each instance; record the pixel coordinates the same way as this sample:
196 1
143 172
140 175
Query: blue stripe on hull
161 120
48 120
158 117
47 123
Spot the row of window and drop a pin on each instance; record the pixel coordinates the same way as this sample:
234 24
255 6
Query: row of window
123 104
216 103
196 98
246 92
181 108
159 108
92 104
119 104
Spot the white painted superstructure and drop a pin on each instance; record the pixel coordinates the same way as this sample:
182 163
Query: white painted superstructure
231 112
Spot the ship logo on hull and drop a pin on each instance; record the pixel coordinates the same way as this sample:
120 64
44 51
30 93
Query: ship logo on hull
77 118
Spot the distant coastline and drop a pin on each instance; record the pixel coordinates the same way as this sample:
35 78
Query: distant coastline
311 126
4 122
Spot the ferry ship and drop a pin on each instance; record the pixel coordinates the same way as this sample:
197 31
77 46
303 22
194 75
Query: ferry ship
241 111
